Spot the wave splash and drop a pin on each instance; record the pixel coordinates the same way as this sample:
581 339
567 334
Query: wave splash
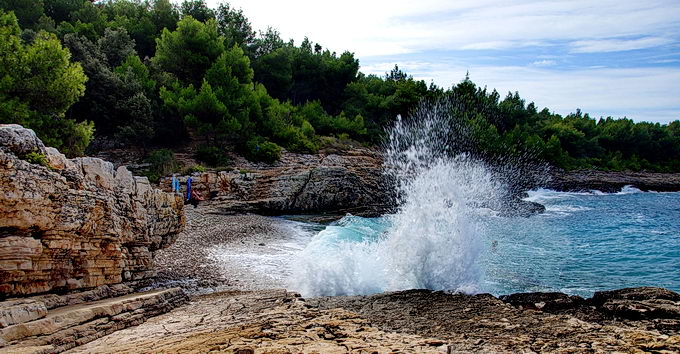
433 241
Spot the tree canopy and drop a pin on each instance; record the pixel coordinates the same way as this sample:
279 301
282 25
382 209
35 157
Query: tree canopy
154 74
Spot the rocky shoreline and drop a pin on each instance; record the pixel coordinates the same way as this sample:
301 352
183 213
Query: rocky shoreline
418 321
613 181
87 251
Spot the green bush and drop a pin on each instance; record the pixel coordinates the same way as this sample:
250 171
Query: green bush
162 162
194 168
261 149
37 158
212 156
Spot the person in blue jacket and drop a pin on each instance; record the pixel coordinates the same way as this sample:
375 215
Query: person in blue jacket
193 197
188 189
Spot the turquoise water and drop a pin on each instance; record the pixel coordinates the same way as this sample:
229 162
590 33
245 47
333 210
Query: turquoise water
445 234
584 242
587 242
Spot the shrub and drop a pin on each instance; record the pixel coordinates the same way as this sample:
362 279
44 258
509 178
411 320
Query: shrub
261 149
194 168
211 155
37 158
162 162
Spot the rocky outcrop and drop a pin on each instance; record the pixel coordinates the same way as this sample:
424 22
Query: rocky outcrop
56 330
611 182
406 321
332 184
68 224
299 184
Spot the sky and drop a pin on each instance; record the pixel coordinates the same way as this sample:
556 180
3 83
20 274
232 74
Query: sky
607 57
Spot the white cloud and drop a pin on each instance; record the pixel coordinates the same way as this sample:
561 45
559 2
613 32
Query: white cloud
617 45
544 62
401 26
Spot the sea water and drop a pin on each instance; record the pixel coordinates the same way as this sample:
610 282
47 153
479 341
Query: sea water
446 234
584 242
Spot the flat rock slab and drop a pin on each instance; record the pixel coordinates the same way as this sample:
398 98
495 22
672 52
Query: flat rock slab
65 327
409 321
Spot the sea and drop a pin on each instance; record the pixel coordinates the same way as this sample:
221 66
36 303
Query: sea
447 233
584 242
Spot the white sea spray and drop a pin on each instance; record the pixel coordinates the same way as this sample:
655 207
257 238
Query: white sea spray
433 240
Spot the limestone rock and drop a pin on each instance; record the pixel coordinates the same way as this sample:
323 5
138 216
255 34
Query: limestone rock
406 321
299 183
19 140
79 224
58 330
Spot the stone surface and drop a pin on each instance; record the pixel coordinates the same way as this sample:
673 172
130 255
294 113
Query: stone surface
407 321
611 182
298 184
273 321
78 223
66 327
19 140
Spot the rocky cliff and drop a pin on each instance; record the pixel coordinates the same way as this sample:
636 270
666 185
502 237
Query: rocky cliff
68 224
299 183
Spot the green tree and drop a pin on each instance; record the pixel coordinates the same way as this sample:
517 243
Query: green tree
198 9
235 27
189 51
27 12
164 15
38 83
60 10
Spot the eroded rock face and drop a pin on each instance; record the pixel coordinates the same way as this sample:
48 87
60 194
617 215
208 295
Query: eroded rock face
76 223
299 184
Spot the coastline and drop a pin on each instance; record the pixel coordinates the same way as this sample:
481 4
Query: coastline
193 262
612 181
98 256
251 316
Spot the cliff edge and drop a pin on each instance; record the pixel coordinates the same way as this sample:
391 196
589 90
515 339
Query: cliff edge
72 224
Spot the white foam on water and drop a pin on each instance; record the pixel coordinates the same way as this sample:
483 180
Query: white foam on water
628 190
268 265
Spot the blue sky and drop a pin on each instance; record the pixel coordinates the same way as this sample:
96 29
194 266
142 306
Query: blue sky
609 58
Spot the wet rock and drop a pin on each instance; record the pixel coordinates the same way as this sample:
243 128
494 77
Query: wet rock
520 208
638 303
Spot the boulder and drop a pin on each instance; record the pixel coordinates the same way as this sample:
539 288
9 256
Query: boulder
20 141
76 224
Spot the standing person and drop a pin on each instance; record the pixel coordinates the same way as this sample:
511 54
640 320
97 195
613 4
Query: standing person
175 184
188 190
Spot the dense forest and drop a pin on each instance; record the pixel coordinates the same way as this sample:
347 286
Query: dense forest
153 75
